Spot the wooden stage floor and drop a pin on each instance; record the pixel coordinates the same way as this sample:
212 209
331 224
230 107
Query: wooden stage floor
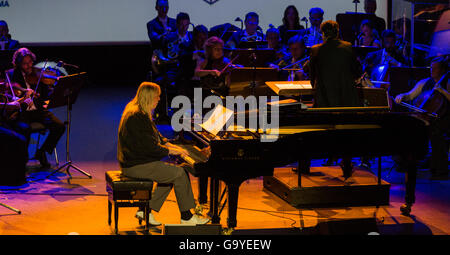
57 206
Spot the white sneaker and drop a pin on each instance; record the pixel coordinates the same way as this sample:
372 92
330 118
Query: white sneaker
151 218
195 220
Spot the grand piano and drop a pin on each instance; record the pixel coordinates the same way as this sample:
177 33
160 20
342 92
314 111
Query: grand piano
306 133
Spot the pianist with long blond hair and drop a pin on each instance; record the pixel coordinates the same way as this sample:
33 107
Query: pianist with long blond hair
141 150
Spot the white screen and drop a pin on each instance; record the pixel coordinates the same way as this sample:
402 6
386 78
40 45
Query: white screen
70 21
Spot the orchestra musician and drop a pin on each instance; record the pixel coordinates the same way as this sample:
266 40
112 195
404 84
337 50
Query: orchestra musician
200 35
334 69
439 127
177 53
389 55
313 34
368 35
6 42
370 7
140 152
295 59
209 70
37 89
181 45
274 42
291 21
161 25
251 33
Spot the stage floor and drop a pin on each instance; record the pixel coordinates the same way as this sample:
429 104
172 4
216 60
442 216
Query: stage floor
59 206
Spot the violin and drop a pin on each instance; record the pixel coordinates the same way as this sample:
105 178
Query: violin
41 76
218 82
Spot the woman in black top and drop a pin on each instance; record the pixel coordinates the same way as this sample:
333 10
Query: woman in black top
291 21
141 149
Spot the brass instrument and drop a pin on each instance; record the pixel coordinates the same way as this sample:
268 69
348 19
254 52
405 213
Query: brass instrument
252 38
161 58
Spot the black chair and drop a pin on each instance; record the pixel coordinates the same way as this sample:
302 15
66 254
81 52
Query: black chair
127 192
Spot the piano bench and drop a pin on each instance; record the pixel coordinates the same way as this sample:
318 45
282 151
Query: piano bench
127 192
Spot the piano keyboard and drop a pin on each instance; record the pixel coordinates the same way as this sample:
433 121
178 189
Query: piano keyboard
195 154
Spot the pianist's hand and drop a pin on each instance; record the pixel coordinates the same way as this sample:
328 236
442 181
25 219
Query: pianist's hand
176 150
207 151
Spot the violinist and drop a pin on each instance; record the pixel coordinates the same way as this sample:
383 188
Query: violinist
295 59
440 127
37 86
209 70
274 42
251 33
368 35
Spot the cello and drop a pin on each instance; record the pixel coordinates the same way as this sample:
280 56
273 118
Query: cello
431 102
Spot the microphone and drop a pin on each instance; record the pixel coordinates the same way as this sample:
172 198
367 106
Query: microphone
240 20
61 64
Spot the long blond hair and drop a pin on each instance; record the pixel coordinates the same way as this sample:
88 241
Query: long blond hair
142 101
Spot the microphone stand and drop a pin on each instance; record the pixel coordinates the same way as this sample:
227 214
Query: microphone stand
253 82
356 2
10 208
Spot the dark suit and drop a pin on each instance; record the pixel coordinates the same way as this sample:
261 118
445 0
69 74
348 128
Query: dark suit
334 69
155 29
41 115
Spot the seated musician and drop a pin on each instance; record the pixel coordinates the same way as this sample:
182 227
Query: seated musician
212 66
291 21
180 44
160 26
313 34
334 70
368 35
200 34
274 42
295 59
440 127
389 56
6 43
141 149
26 77
177 53
251 33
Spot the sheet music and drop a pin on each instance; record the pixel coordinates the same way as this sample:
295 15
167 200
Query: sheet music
217 119
297 85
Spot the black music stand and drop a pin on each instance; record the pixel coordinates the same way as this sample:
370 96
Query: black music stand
65 94
252 45
246 57
251 81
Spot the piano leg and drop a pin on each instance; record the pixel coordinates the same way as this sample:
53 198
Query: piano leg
202 190
214 201
410 186
233 192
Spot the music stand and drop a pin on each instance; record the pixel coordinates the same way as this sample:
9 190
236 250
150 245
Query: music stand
252 45
247 81
65 94
246 57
